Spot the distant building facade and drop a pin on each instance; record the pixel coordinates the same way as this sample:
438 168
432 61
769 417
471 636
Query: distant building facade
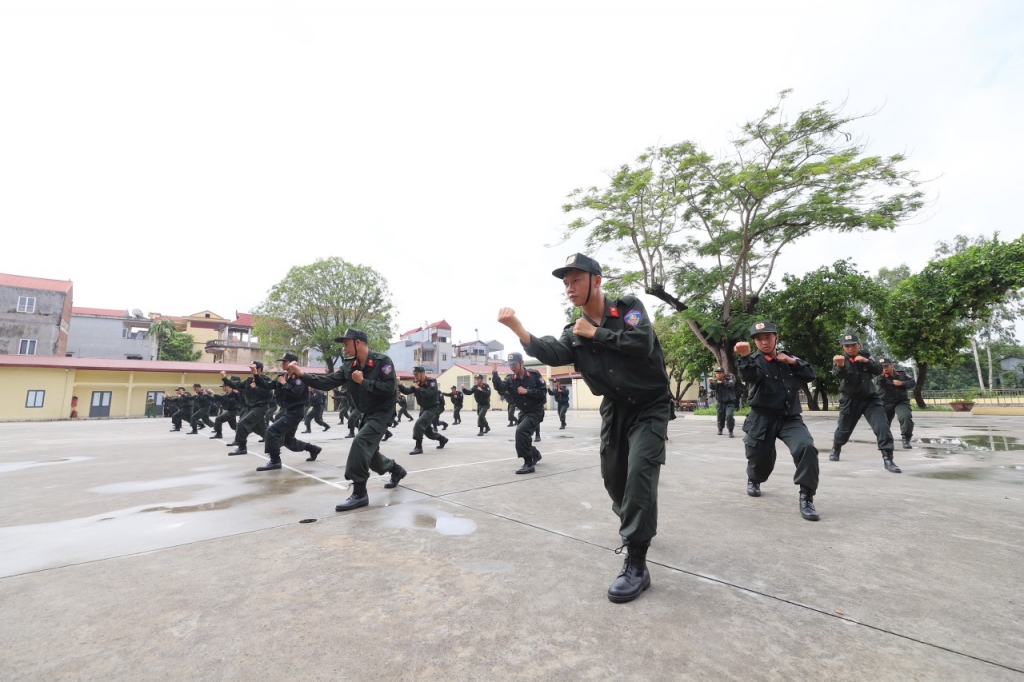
35 315
110 334
204 326
429 346
235 343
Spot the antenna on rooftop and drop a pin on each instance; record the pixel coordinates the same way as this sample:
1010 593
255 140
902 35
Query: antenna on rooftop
136 312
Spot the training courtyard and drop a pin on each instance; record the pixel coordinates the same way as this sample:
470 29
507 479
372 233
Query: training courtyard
131 553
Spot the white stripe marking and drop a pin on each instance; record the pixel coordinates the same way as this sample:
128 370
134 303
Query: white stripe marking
298 471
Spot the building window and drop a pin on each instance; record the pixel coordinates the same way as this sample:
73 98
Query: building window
444 357
124 332
462 381
35 398
26 304
133 357
27 347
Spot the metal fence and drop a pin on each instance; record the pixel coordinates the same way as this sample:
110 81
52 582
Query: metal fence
1001 396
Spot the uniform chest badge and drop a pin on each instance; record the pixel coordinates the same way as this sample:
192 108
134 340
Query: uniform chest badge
633 317
298 382
386 370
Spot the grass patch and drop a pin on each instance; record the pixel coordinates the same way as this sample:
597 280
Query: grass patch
711 412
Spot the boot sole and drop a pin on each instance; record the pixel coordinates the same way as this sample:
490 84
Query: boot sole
622 599
810 518
343 508
390 485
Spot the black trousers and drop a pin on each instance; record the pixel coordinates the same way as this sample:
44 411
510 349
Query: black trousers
404 412
850 411
529 423
229 416
254 420
424 426
364 455
904 413
282 433
180 415
725 416
562 409
437 420
481 417
456 419
202 415
315 414
511 413
762 431
632 451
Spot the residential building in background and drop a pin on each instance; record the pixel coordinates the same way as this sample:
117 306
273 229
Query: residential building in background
429 346
111 334
235 343
35 315
478 351
204 326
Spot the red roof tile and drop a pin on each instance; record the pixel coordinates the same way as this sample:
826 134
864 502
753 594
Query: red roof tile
99 312
440 325
35 283
241 320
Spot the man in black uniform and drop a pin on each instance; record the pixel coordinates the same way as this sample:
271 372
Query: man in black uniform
355 418
855 369
229 403
775 379
317 401
292 397
457 398
344 406
893 385
440 410
182 403
561 394
525 389
725 396
403 409
256 395
614 347
512 421
481 393
201 403
427 398
370 378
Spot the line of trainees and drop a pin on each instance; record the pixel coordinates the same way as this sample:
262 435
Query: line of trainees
615 350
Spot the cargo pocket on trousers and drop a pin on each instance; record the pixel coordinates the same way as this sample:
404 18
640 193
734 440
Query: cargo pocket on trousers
660 430
756 428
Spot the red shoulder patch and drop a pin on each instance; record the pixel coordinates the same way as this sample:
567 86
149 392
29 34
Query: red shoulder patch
369 363
614 312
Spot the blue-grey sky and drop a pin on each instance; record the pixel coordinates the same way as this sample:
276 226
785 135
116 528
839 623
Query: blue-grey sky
178 156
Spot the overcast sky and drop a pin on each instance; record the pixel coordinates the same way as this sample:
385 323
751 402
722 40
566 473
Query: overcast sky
181 156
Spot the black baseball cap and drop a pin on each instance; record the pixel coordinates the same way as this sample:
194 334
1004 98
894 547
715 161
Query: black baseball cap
353 333
719 370
578 261
763 327
886 361
513 358
289 357
848 339
417 369
197 385
479 376
180 388
235 378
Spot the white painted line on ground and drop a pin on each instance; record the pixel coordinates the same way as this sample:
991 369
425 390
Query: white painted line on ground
298 471
488 461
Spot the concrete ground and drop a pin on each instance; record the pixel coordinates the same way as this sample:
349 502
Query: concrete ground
132 553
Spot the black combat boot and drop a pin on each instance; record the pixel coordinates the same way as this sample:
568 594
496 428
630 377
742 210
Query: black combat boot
719 432
444 441
906 443
536 439
397 474
444 426
527 467
176 428
387 434
306 431
481 432
730 435
191 433
231 444
351 433
313 451
562 426
358 499
833 454
327 427
753 489
418 450
633 578
274 463
239 451
215 435
807 509
889 464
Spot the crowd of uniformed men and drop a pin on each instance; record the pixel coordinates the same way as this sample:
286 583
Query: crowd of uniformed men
614 348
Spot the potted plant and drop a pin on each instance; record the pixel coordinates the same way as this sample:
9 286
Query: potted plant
963 400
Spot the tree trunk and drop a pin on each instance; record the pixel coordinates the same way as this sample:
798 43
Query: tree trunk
977 363
922 374
812 399
988 351
681 393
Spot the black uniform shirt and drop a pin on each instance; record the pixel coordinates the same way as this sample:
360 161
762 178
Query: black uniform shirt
292 395
317 399
376 395
254 393
561 395
530 402
457 399
482 394
623 361
774 386
725 390
892 394
427 395
855 377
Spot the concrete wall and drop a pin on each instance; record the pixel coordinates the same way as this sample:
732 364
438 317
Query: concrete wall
48 325
100 337
18 381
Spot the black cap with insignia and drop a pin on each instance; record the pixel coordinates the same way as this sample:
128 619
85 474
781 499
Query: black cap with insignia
719 370
353 333
289 357
886 362
764 327
578 261
513 358
848 339
418 369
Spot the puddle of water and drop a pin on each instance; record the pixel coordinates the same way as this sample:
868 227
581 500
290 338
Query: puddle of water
420 517
977 442
18 466
955 474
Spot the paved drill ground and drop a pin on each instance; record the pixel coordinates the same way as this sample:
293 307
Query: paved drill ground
132 553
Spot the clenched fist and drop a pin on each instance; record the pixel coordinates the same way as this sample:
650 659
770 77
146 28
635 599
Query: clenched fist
522 390
357 376
742 348
584 328
840 360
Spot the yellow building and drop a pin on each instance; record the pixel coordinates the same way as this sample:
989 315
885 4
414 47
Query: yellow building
204 326
38 388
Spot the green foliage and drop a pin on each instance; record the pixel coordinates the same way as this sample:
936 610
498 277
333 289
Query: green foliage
173 345
687 360
814 310
711 227
316 303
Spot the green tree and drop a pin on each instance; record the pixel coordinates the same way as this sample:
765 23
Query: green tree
710 228
686 359
316 303
932 316
173 344
812 312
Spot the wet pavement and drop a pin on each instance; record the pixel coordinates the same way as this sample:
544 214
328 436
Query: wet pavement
127 552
